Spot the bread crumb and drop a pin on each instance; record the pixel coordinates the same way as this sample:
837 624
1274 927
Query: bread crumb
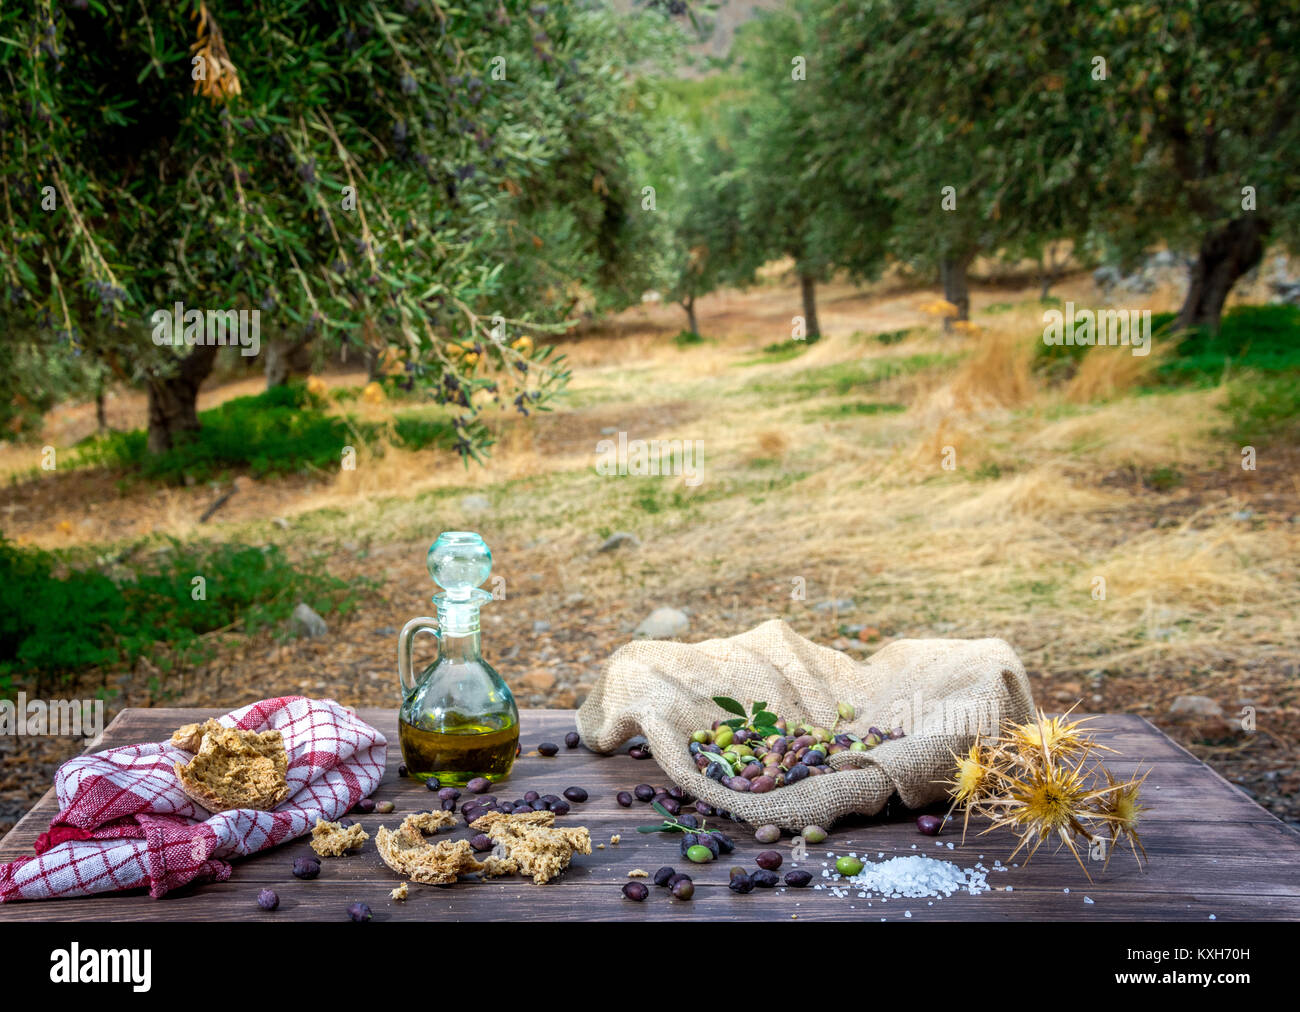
615 838
600 846
638 873
401 892
330 839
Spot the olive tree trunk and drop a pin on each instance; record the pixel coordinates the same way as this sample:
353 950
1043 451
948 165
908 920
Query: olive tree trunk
285 358
173 399
952 275
1225 256
688 304
808 288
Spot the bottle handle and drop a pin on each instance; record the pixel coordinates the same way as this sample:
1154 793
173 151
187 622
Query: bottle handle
406 649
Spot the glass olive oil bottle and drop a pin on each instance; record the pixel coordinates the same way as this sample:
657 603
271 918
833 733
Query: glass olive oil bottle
458 720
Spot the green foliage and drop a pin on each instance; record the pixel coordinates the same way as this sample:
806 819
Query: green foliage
781 351
1261 338
1262 408
275 432
280 431
687 339
1163 479
853 409
486 146
808 193
56 618
847 377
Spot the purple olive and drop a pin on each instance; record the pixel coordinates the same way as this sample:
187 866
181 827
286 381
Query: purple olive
448 806
402 770
639 752
761 785
539 806
636 891
481 843
769 859
798 878
359 912
531 796
684 889
676 793
705 809
449 792
662 876
624 798
548 748
764 878
575 794
674 879
571 740
479 785
741 884
267 899
366 805
306 867
929 824
560 807
643 792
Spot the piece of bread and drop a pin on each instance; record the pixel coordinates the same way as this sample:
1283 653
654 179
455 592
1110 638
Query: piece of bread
188 737
331 839
232 768
408 853
532 842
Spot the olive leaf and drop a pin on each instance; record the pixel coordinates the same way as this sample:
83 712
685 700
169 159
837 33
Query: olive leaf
730 705
720 759
759 708
734 723
764 718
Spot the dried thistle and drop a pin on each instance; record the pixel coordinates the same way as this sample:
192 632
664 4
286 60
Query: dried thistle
1121 811
215 75
1039 780
971 783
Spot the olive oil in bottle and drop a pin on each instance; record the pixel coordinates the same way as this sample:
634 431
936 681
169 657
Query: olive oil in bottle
456 755
458 719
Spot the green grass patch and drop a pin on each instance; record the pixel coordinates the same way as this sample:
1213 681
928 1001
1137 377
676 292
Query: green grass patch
687 339
893 336
847 377
1262 407
58 617
1265 339
280 431
1163 479
782 351
853 409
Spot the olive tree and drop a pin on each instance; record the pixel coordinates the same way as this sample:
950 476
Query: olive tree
385 174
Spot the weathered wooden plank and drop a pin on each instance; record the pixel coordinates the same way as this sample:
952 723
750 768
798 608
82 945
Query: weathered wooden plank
1244 865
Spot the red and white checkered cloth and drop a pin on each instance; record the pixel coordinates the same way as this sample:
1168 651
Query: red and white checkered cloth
125 823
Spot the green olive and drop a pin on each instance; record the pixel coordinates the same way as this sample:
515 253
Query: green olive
848 866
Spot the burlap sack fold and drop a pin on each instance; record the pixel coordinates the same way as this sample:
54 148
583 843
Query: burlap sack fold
941 692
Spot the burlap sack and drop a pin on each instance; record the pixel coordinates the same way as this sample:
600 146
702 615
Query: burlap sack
940 691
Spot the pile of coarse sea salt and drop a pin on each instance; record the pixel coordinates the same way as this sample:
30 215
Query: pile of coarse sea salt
914 876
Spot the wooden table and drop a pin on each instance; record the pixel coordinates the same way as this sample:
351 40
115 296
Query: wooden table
1213 852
